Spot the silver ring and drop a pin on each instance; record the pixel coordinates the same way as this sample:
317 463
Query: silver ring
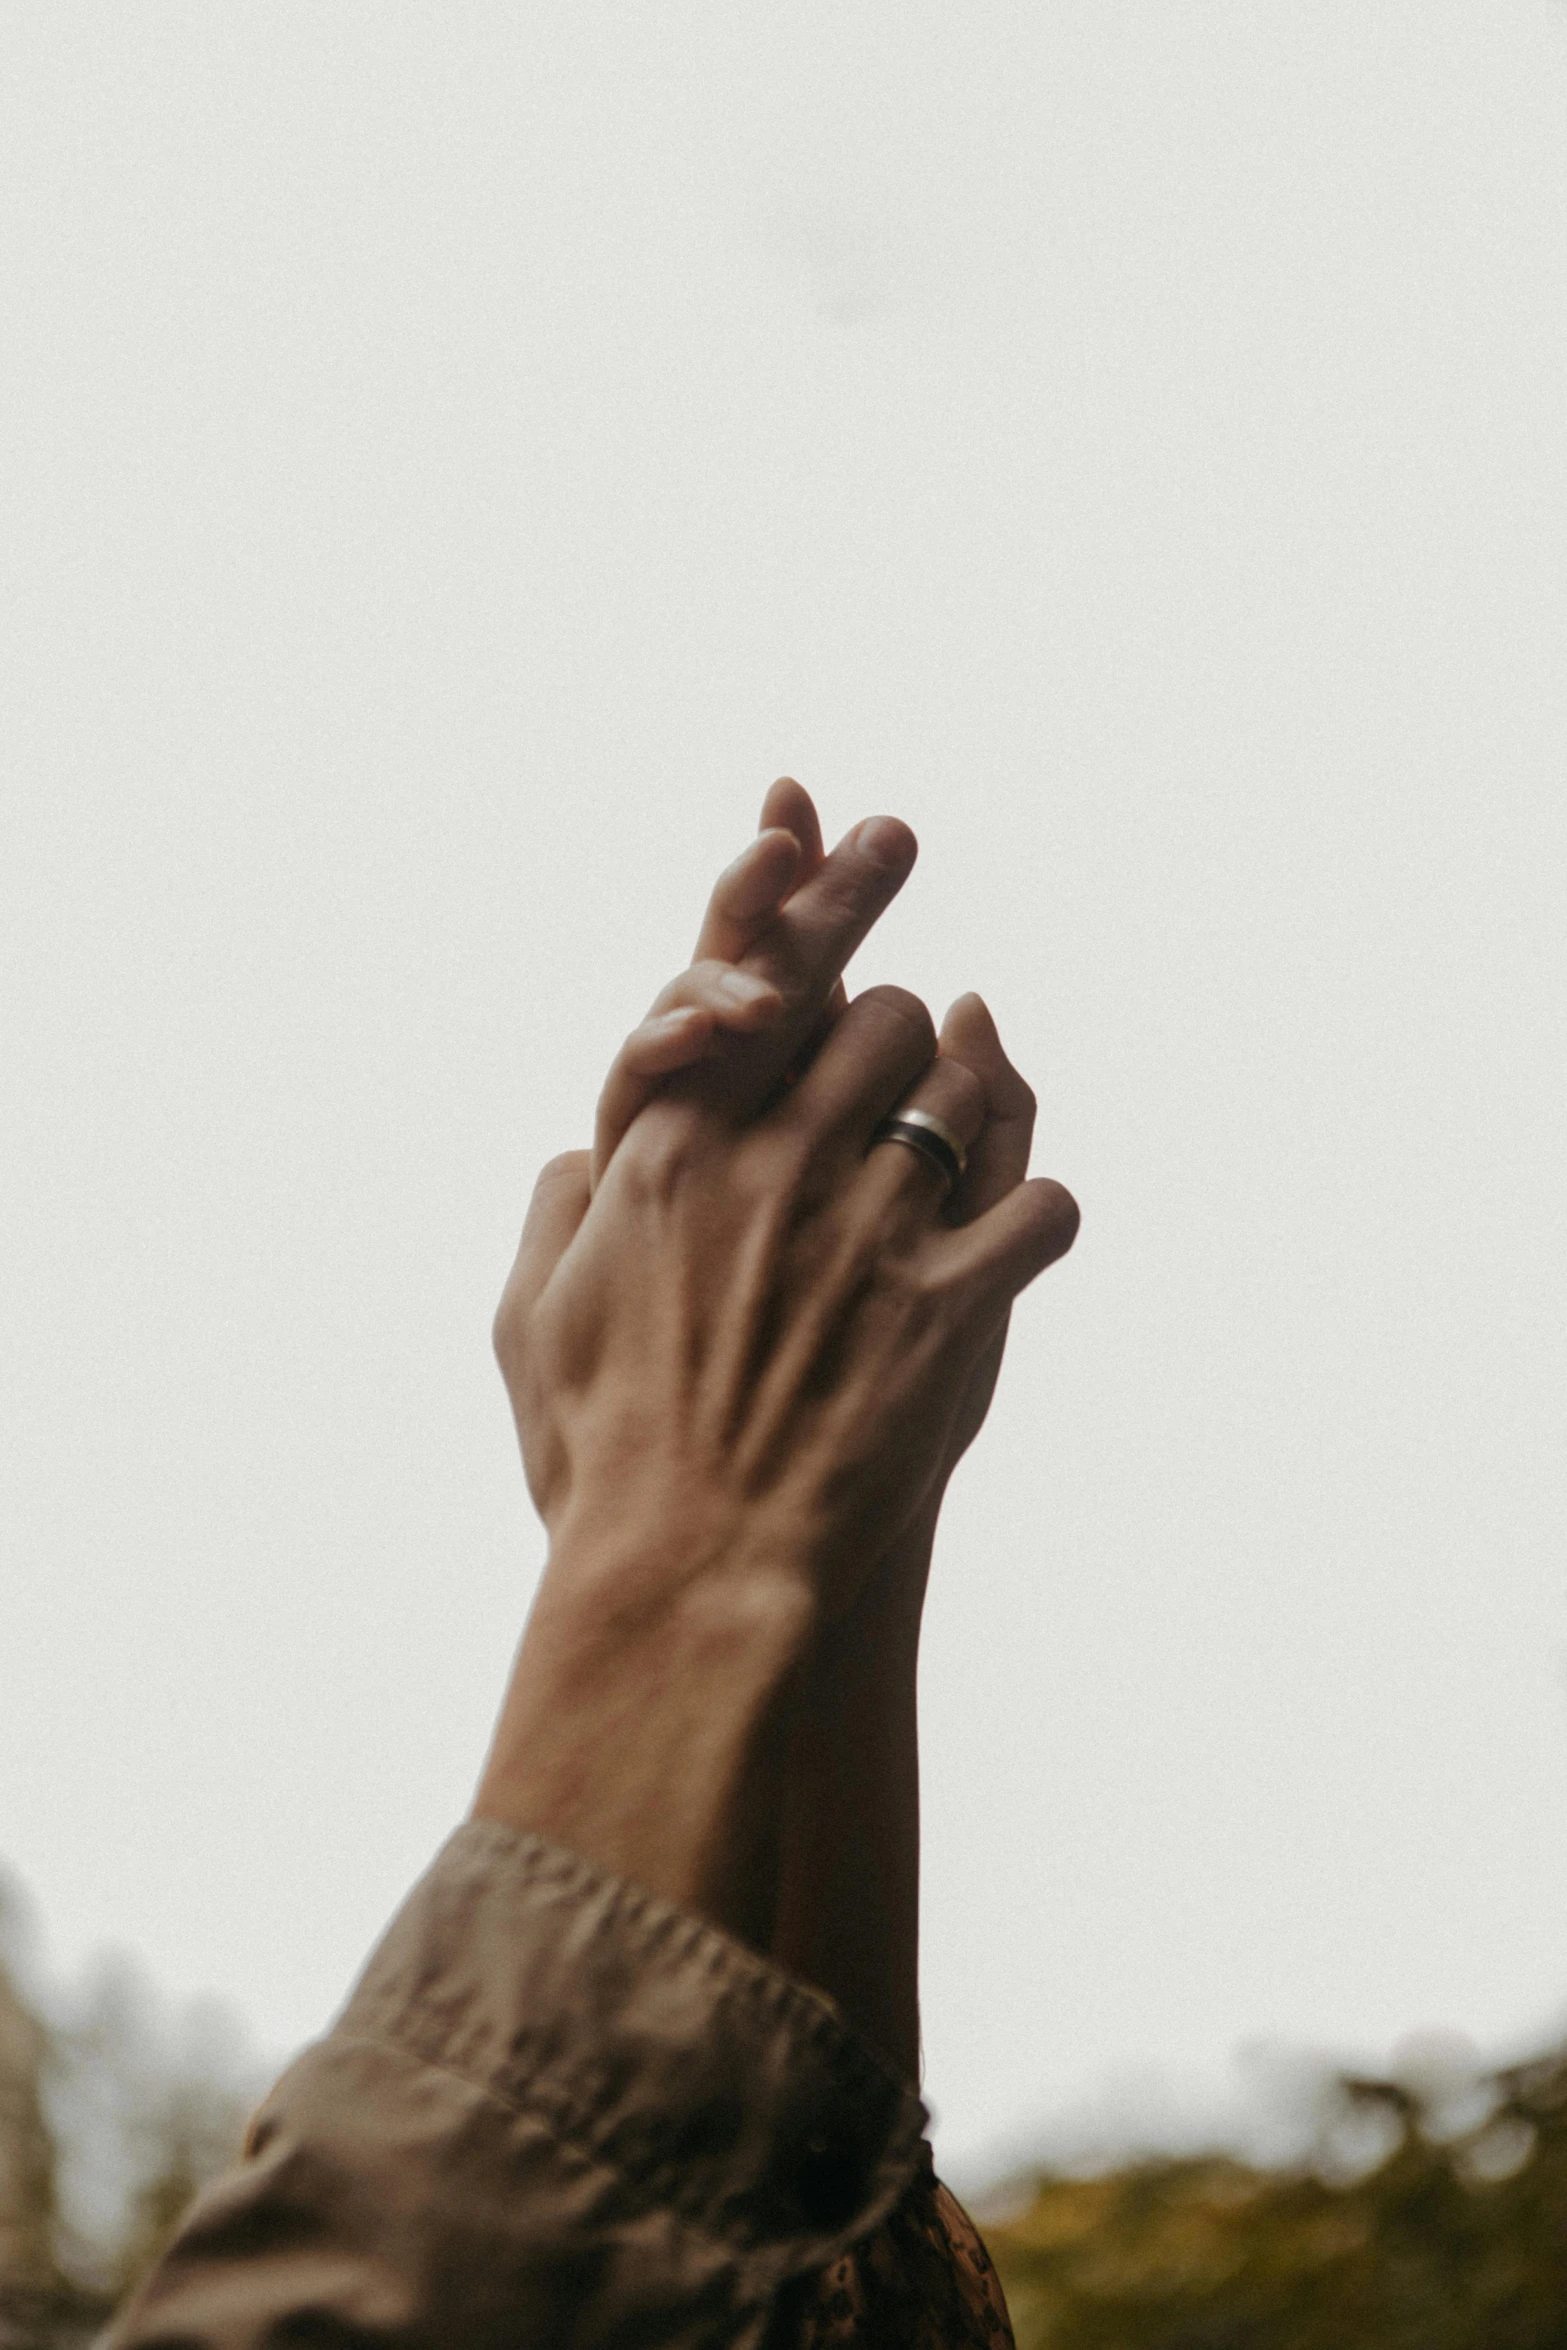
931 1137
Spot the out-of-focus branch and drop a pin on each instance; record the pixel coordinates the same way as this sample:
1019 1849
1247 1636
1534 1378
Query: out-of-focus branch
113 2113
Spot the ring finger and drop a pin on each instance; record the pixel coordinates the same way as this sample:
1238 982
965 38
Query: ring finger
918 1153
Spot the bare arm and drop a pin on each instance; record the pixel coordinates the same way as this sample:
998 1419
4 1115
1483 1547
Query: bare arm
557 2105
736 1376
848 1888
848 1905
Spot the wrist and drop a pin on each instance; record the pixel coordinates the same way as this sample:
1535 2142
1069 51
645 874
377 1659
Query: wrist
687 1598
646 1551
895 1594
645 1724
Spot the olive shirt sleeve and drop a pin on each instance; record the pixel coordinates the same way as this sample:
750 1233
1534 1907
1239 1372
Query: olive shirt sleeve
556 2110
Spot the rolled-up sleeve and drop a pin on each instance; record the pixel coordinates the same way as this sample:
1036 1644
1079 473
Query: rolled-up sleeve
556 2110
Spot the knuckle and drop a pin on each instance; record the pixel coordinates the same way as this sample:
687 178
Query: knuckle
701 982
966 1098
897 1004
924 1297
915 1279
775 1162
628 1073
657 1152
506 1333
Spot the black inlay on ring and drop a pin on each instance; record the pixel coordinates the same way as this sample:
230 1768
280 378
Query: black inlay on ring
940 1154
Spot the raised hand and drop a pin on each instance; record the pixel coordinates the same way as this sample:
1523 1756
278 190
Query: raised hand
764 935
845 1893
769 1317
737 1372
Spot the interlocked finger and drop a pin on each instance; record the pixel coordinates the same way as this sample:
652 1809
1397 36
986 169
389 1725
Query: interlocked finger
559 1203
864 1065
748 893
789 804
803 949
999 1159
709 1001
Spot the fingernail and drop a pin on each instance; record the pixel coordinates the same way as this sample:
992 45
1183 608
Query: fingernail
738 987
886 842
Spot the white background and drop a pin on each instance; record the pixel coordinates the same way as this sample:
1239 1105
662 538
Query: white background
452 458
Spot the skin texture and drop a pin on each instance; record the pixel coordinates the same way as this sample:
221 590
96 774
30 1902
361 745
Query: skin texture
849 1861
847 1914
741 1380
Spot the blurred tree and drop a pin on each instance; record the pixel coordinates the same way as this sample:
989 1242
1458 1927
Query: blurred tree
26 2150
1454 2237
1425 2213
112 2115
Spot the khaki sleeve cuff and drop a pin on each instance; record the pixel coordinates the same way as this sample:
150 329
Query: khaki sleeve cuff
693 2090
556 2109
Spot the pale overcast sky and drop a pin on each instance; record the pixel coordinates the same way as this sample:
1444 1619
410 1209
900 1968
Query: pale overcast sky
453 458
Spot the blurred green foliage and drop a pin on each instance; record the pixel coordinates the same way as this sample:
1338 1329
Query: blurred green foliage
1419 2215
1452 2237
112 2113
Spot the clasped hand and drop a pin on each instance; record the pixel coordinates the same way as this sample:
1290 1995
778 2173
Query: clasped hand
752 1343
743 1347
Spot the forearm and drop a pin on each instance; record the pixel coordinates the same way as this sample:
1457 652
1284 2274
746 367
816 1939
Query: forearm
646 1724
848 1904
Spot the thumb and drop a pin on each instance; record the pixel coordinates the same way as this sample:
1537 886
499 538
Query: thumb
558 1205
